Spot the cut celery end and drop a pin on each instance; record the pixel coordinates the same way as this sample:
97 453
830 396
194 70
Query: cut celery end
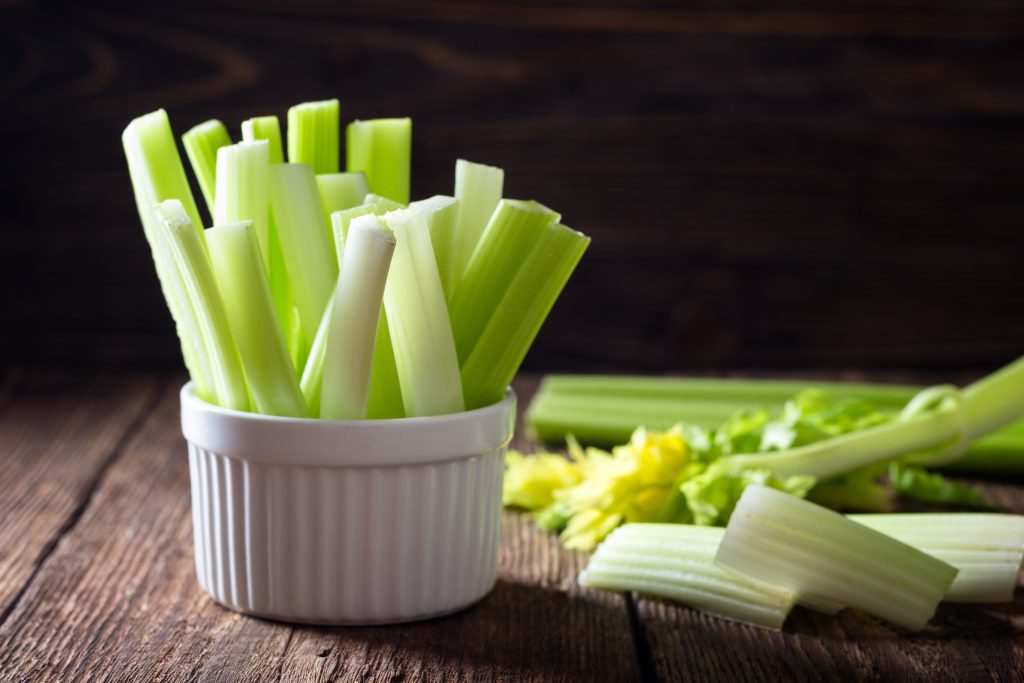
441 212
382 149
307 252
313 370
313 135
242 185
265 128
193 263
372 204
241 277
339 191
517 318
421 334
478 188
504 248
818 554
354 319
201 145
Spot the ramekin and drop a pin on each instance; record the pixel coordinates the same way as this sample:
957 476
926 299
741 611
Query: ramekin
346 522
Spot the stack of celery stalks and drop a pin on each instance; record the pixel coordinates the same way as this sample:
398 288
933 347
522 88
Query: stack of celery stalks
321 293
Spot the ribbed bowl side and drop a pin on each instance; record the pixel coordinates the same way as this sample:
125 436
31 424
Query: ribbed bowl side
346 544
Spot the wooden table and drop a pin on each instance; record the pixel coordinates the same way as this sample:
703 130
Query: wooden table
97 583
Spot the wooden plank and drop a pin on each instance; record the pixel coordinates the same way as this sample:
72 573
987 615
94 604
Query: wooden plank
121 586
56 437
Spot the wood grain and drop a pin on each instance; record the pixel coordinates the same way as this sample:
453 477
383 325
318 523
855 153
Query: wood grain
117 600
57 437
806 184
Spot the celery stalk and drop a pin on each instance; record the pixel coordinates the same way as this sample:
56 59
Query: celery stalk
478 188
313 371
385 400
313 133
352 335
242 171
241 277
305 241
517 318
986 548
193 263
340 191
428 367
503 250
382 149
441 212
265 128
811 551
201 145
681 567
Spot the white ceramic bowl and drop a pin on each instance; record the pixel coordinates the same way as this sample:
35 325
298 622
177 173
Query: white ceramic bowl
346 522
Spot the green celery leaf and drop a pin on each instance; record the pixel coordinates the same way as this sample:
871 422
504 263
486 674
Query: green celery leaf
917 483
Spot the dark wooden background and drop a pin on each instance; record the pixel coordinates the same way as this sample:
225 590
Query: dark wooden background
768 185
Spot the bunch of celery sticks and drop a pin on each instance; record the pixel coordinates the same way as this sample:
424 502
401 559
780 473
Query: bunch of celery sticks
320 293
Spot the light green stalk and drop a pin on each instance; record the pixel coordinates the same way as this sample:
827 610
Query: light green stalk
312 381
516 320
241 277
242 190
265 128
382 149
441 213
421 334
305 240
478 188
201 145
193 264
340 191
356 312
313 134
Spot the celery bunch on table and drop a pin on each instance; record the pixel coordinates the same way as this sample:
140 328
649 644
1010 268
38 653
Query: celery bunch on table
323 292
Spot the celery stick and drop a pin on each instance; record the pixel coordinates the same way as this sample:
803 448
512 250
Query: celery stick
478 188
149 149
503 250
986 548
516 320
441 212
305 241
382 205
385 400
201 145
193 263
681 567
428 367
241 277
313 134
242 185
798 546
382 149
353 330
265 128
313 371
340 191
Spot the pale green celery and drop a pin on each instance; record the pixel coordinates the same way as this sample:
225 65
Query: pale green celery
340 191
191 259
781 540
372 204
517 318
242 185
986 548
478 188
381 204
680 566
441 212
352 336
987 405
385 399
382 149
265 128
201 145
313 135
241 277
502 251
313 371
421 334
305 240
157 174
